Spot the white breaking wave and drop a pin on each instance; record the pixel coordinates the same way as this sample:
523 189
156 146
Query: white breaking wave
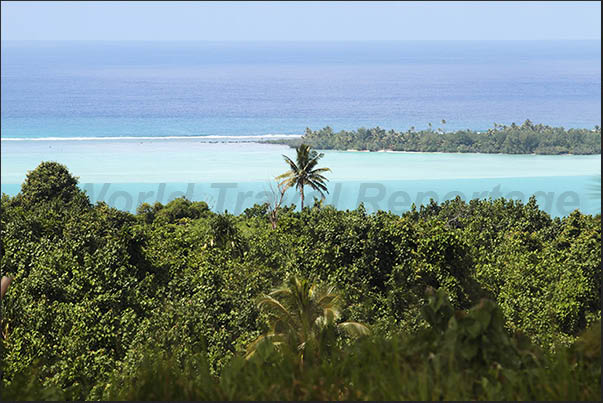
210 137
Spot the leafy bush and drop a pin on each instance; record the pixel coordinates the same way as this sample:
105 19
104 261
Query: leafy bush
459 356
50 180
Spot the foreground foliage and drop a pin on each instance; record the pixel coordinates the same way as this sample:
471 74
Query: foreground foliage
526 138
301 315
162 304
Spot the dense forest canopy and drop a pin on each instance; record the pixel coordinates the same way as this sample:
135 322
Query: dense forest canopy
486 299
527 138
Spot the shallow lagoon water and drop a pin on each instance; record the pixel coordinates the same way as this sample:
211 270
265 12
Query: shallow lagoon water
234 175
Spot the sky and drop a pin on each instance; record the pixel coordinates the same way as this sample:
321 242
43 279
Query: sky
300 21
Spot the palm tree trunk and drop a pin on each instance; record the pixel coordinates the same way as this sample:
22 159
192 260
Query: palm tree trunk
302 197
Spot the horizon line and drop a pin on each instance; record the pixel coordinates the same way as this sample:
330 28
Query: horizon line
299 40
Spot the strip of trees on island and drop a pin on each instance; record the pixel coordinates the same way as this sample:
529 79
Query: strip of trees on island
527 138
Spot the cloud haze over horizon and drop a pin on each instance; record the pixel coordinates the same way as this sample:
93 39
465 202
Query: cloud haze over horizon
293 21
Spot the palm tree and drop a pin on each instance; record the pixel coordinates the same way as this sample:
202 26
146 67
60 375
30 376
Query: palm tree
299 315
304 172
440 130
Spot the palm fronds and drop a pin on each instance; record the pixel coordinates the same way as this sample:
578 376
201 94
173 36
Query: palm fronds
303 172
299 313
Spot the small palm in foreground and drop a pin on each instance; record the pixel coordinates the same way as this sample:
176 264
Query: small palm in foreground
304 172
300 314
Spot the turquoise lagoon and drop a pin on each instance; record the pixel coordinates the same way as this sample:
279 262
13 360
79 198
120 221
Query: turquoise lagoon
234 174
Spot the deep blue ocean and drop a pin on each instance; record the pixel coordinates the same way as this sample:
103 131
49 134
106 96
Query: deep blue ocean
89 89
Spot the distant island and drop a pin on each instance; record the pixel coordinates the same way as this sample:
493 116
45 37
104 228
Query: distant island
528 138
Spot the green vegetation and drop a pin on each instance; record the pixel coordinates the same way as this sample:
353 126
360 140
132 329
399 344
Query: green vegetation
525 139
301 315
303 172
487 300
